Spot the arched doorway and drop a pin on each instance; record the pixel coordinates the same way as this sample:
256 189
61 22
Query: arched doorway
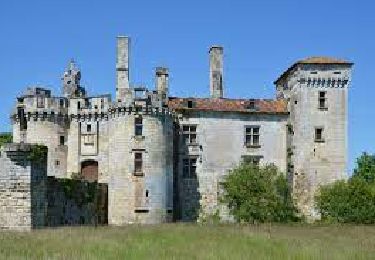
89 170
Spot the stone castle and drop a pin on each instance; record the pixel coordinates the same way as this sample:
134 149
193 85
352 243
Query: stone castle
163 157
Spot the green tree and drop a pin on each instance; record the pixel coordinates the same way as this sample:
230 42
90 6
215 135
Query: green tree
5 138
365 168
351 201
258 194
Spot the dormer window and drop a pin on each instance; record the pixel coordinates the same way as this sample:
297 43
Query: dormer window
190 104
251 105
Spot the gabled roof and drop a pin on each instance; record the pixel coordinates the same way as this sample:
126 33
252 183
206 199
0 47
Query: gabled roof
265 106
315 60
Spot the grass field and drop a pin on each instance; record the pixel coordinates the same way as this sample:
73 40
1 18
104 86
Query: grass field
179 241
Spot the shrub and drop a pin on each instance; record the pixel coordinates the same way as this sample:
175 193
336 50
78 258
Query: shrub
5 138
351 201
258 194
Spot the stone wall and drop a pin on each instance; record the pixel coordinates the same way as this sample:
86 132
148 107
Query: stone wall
76 202
220 147
23 188
29 199
316 162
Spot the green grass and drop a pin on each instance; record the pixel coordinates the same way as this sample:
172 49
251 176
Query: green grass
179 241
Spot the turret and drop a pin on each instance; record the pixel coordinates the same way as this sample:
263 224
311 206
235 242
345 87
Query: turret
216 71
71 82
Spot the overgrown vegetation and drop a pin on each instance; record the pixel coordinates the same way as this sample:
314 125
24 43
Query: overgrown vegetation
38 153
5 138
258 194
351 201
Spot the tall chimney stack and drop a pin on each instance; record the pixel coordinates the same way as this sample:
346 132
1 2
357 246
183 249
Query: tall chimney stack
122 67
162 80
216 71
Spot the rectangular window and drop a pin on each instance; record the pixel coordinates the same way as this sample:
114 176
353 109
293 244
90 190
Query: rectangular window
319 134
189 168
40 102
88 128
252 136
322 100
61 103
62 140
252 159
190 134
78 105
138 161
138 124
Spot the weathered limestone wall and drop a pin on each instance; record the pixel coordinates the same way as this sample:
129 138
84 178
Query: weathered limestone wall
314 163
22 189
220 147
46 129
147 198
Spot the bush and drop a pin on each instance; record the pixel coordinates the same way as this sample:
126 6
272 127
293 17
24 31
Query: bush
5 138
351 201
258 194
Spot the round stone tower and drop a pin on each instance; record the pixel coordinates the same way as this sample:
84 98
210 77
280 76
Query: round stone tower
141 168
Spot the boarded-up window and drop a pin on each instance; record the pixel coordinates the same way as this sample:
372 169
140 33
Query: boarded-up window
89 170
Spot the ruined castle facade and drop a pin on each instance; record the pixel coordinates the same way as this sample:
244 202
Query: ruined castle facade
163 157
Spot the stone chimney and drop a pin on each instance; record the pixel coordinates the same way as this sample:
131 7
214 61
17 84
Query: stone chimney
216 71
122 67
162 77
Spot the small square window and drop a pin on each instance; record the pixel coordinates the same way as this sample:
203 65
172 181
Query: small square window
190 134
252 136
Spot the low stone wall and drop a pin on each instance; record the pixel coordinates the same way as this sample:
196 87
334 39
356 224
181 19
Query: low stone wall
29 199
22 187
76 202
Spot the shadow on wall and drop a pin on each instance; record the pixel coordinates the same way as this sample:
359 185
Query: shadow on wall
76 202
186 184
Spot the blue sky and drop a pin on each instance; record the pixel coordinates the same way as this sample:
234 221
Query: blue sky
260 38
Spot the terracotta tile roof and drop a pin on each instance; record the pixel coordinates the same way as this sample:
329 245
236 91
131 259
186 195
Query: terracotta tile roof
315 60
229 105
322 60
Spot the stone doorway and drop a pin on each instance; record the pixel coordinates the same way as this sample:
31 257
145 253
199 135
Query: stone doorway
90 170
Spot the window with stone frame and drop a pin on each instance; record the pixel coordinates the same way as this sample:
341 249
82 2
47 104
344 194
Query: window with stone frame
190 134
40 102
323 100
319 134
138 126
252 159
252 136
138 164
189 168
